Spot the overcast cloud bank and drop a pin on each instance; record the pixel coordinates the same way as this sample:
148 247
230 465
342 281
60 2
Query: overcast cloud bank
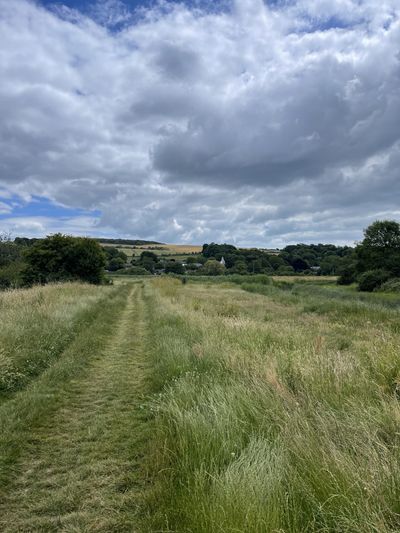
258 125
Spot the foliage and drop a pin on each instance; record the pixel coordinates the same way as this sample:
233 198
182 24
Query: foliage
116 263
217 250
132 271
10 275
9 251
116 259
392 285
174 267
10 263
380 248
347 275
149 255
372 279
300 258
213 268
384 234
195 258
60 257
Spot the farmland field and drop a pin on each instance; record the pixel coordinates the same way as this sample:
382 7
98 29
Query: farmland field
152 405
171 250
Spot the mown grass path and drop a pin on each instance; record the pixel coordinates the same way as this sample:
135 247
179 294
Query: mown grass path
81 469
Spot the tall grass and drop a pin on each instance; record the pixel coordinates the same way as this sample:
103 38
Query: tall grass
37 324
272 415
87 316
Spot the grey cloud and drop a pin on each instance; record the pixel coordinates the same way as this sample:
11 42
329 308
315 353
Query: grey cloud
250 125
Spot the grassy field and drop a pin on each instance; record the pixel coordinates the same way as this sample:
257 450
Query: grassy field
253 406
171 250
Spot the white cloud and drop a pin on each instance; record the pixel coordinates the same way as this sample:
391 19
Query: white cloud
250 125
5 208
37 226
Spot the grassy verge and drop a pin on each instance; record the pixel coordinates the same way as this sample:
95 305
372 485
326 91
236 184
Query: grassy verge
271 416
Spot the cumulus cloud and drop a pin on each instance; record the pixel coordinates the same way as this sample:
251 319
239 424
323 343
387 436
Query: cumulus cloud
261 124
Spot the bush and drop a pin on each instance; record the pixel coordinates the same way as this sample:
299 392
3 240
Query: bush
133 271
116 263
174 267
213 268
347 276
392 285
10 276
372 279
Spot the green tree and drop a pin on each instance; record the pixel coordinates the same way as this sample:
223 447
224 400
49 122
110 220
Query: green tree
116 263
382 234
148 263
213 268
174 267
380 248
10 252
148 255
61 257
239 268
116 259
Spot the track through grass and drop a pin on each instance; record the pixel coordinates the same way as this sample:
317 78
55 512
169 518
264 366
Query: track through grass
79 471
204 408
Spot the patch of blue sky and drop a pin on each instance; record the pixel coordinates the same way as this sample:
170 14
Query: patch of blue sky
332 23
321 24
85 6
42 207
127 11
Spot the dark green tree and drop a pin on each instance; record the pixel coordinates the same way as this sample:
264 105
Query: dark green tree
116 259
116 263
380 248
61 257
174 267
149 255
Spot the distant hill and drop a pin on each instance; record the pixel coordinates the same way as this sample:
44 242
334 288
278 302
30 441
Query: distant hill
130 242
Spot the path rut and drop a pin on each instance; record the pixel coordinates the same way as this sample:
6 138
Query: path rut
81 468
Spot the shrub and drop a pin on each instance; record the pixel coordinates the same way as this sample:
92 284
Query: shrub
213 268
347 276
133 271
392 285
116 263
10 276
174 267
372 279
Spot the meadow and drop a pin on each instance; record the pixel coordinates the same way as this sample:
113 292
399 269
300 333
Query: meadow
250 405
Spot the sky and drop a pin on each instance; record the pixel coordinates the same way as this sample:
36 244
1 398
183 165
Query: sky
258 123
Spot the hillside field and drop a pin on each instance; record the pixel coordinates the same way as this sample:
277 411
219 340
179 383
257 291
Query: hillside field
159 249
210 406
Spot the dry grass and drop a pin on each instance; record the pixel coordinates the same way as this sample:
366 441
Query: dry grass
159 249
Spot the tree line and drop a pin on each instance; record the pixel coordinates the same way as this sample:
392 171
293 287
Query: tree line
372 263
